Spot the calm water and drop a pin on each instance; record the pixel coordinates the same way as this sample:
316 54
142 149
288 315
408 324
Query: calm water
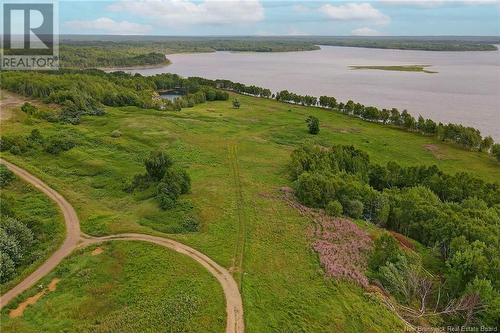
465 90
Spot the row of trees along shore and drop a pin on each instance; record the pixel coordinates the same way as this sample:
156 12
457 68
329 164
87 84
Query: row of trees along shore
84 92
467 137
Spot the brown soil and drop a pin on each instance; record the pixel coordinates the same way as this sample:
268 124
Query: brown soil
18 312
403 240
97 251
7 102
435 150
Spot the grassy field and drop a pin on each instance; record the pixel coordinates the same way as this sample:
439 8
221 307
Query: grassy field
237 160
404 68
44 219
129 287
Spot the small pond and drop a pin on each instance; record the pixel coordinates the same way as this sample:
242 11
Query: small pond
171 95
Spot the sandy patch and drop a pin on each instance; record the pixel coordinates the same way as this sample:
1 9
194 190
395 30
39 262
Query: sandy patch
7 102
97 251
18 312
435 150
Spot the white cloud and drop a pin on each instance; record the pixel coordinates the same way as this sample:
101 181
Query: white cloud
300 8
365 32
108 25
185 12
355 12
437 3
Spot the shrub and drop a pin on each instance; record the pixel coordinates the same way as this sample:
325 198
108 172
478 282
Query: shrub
312 125
191 224
29 108
236 103
174 183
353 208
166 201
36 137
58 144
140 182
334 208
6 176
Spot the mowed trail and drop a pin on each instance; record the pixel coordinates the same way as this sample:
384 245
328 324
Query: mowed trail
74 239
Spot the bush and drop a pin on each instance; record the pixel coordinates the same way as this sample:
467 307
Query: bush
236 103
191 224
35 138
58 144
166 201
29 108
312 125
6 176
174 183
334 208
353 208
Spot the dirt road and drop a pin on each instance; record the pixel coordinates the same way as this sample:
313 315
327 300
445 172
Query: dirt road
74 239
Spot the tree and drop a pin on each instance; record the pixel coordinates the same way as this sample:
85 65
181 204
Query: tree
385 115
385 250
486 144
395 117
236 103
353 208
157 164
495 151
313 125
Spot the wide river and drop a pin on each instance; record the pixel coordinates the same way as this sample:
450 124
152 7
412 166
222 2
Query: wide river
465 90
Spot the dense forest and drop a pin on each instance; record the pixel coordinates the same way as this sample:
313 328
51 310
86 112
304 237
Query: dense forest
457 215
100 54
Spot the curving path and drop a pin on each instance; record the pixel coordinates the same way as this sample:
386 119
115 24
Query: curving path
74 239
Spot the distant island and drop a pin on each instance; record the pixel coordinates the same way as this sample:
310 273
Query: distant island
403 68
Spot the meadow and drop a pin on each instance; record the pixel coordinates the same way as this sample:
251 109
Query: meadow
237 159
123 287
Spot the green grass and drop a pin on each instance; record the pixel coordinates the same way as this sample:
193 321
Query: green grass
245 226
130 287
42 216
405 68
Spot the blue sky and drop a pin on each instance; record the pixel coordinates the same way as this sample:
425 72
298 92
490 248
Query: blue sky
268 18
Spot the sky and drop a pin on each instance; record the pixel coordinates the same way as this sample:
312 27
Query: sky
274 17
